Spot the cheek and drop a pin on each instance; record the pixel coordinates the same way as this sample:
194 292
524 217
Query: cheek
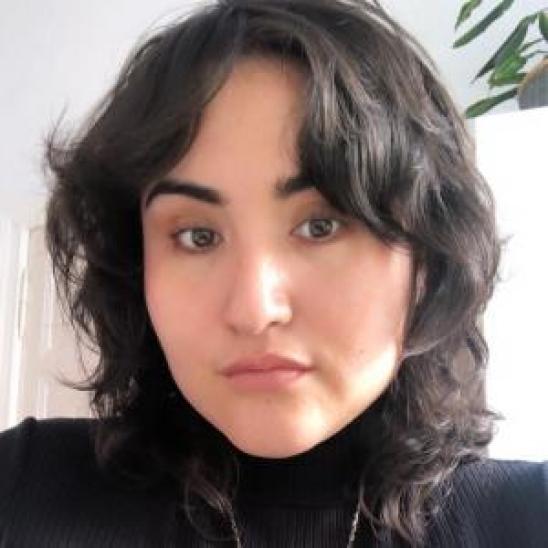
158 286
161 311
365 309
181 307
166 300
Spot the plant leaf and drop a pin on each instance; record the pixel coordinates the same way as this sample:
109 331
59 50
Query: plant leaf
527 45
543 23
510 79
510 67
492 16
510 45
466 11
481 107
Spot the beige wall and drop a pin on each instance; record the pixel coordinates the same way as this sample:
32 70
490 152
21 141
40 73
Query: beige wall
48 348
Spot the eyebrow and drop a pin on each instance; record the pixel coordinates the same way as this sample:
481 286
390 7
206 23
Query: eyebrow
283 189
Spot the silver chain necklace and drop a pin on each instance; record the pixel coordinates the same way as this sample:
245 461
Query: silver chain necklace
352 536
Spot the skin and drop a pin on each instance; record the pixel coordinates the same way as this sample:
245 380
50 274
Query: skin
263 281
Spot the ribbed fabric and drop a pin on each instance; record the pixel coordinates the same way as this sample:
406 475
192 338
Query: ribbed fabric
52 495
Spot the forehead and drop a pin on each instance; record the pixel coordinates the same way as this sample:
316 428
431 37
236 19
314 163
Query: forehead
268 80
247 135
260 103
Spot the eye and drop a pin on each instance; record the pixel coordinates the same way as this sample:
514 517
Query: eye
320 228
196 239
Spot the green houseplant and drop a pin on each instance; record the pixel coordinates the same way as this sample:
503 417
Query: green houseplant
506 66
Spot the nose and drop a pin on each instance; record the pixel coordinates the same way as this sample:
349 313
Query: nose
258 296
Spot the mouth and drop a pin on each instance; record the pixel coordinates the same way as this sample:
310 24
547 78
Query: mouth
266 372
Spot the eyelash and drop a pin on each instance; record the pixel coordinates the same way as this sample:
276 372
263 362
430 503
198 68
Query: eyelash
176 236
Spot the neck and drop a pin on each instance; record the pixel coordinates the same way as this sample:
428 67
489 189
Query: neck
325 474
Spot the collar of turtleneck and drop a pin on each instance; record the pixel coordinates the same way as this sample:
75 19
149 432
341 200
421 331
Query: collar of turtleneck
326 474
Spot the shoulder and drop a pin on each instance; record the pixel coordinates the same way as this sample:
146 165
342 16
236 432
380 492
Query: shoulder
496 503
49 474
34 447
510 481
47 431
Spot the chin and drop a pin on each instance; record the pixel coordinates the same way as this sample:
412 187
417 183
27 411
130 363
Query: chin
270 450
274 443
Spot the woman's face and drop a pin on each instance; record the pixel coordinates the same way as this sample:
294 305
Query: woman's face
261 272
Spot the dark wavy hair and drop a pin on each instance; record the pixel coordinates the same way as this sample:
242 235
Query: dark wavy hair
383 142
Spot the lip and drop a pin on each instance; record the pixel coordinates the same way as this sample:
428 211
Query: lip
264 363
266 371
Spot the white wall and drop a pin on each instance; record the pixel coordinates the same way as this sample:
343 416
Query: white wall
512 156
55 55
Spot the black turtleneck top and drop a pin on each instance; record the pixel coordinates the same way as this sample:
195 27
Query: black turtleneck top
52 494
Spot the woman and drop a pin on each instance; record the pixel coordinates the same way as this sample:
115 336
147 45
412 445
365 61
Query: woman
274 233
